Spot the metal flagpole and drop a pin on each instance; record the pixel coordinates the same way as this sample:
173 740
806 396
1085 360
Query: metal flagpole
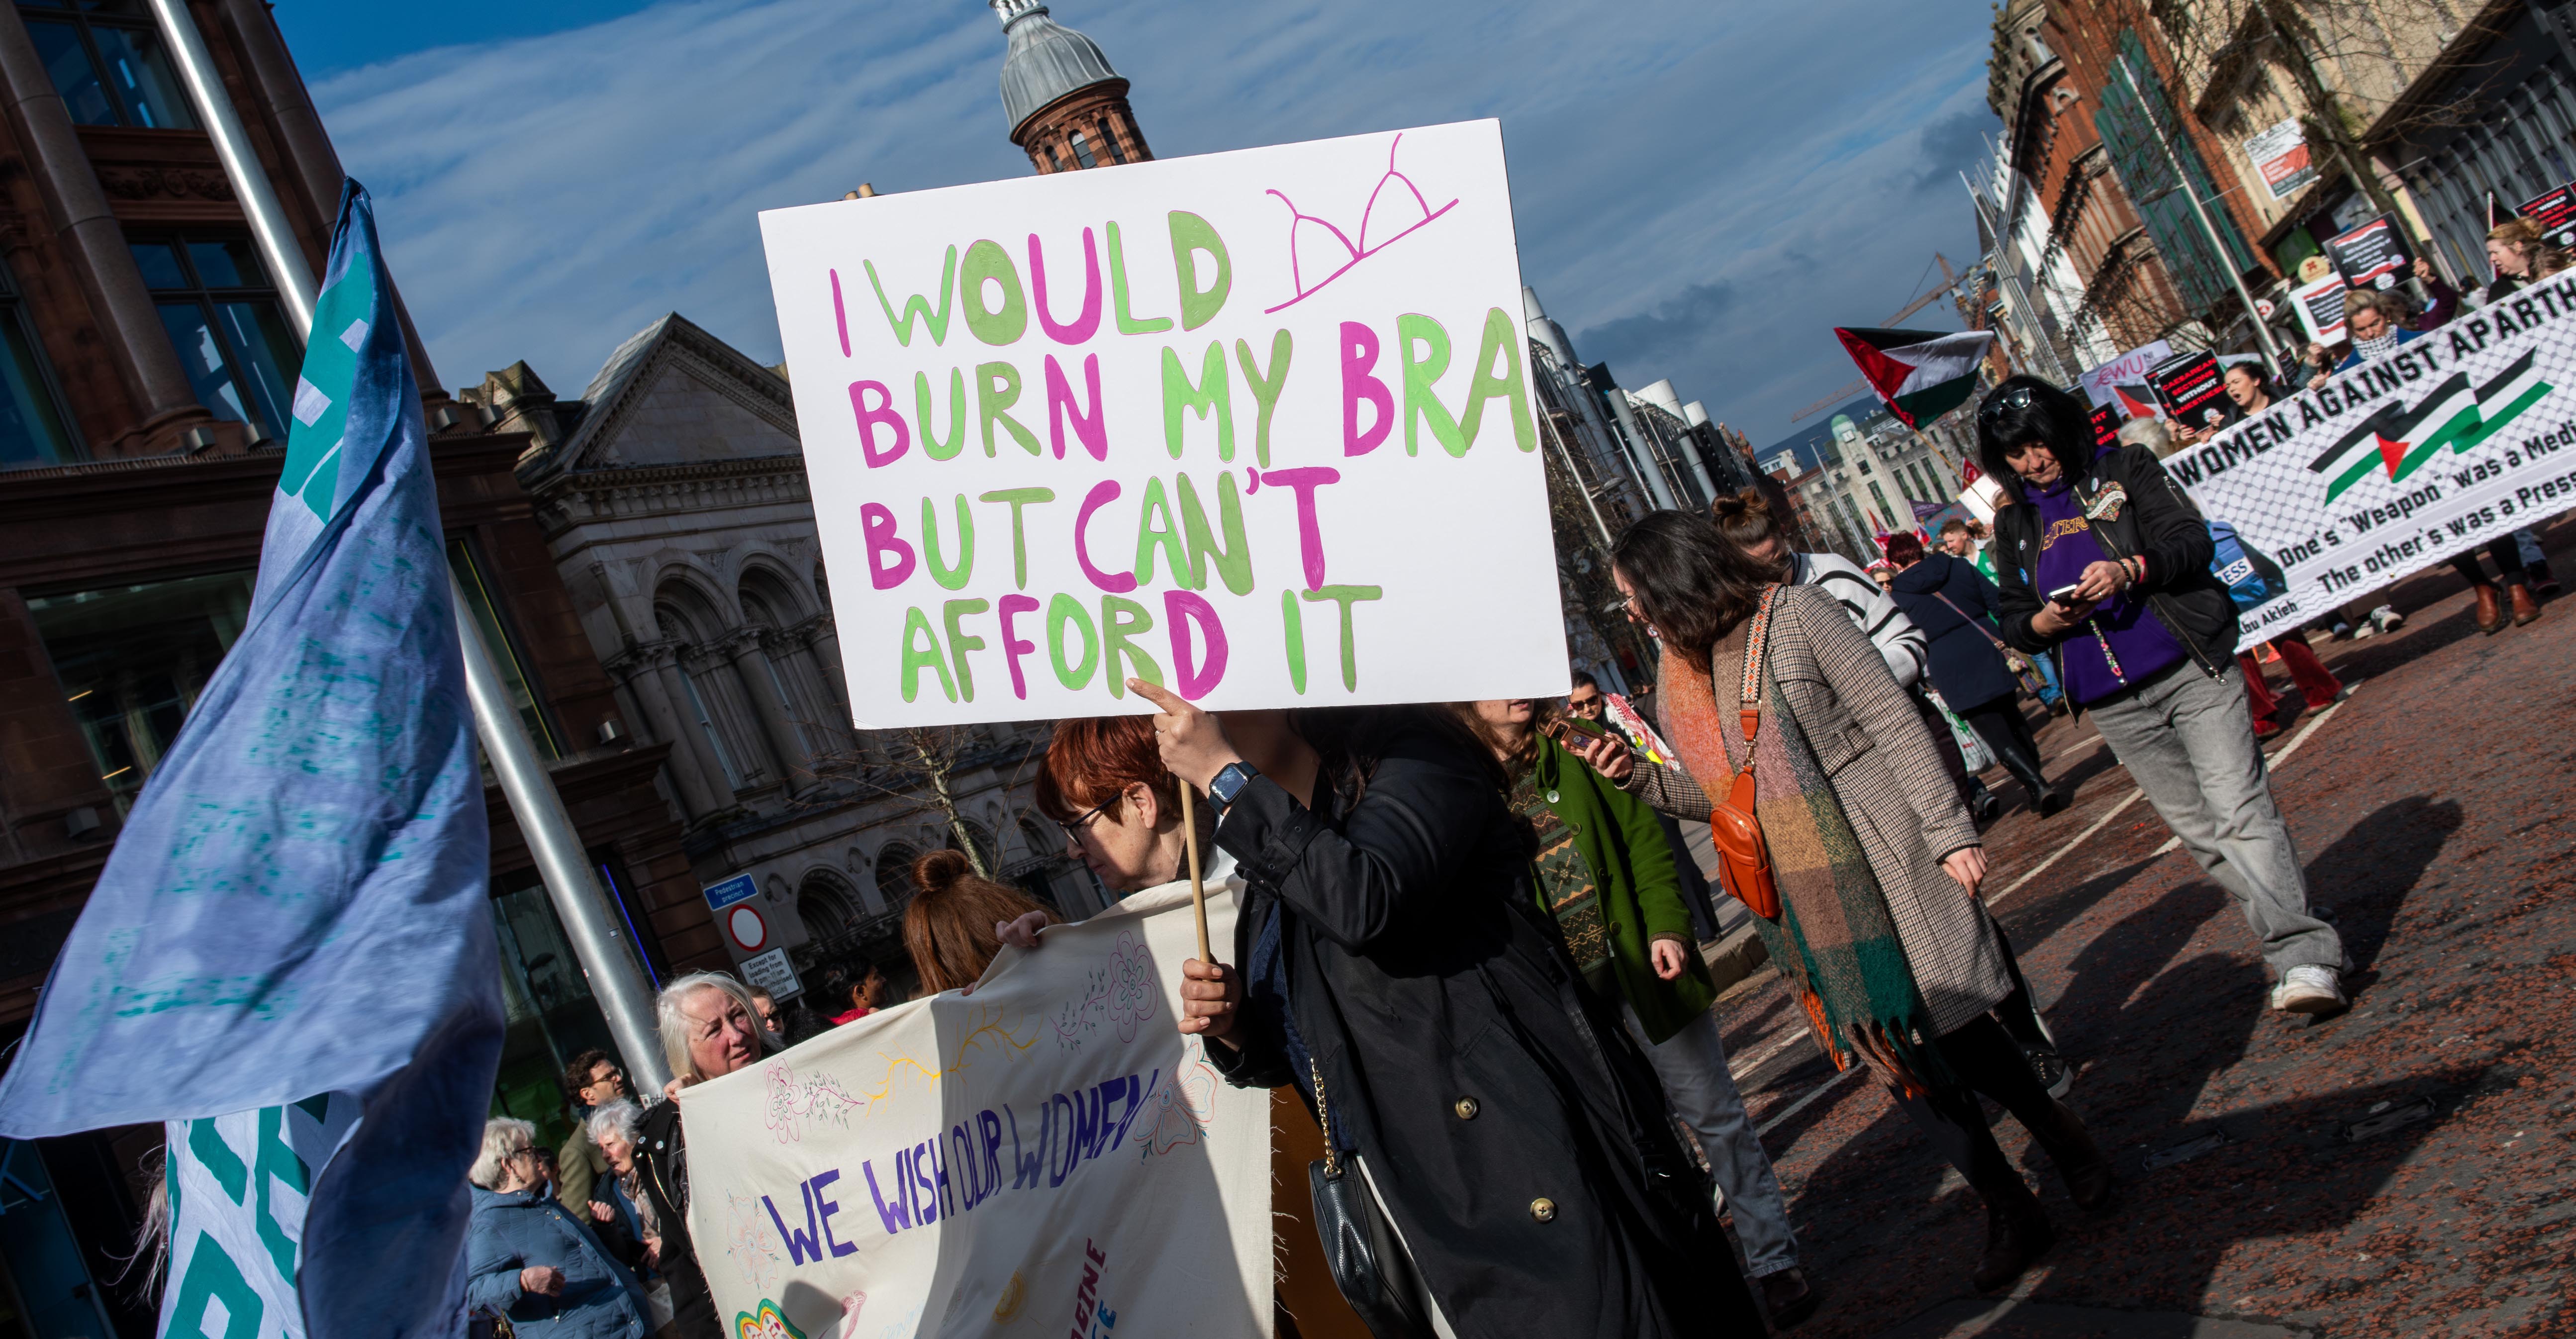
607 959
2182 183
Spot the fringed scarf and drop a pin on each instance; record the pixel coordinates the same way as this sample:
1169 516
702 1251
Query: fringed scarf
1835 937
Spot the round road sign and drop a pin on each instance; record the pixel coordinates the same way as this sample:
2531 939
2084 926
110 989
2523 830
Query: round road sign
750 933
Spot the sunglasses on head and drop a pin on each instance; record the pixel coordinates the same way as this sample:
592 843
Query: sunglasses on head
2019 397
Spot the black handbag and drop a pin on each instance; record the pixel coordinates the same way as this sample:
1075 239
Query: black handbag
1369 1265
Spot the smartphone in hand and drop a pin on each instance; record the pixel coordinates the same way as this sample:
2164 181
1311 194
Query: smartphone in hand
2065 595
1585 730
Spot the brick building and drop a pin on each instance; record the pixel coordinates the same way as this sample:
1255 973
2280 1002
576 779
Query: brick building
143 391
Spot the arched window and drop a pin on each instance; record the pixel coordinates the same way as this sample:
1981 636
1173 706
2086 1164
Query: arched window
985 847
824 905
768 603
894 874
685 617
1082 151
1109 142
1040 841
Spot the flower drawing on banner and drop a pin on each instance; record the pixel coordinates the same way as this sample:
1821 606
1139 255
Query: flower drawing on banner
1132 988
768 1322
791 1101
749 1243
1182 1107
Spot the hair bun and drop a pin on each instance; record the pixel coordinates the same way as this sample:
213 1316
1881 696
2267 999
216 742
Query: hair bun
940 870
1729 506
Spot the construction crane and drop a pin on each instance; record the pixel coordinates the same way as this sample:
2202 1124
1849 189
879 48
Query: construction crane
1949 282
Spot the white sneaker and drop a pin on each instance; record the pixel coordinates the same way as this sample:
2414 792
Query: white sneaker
2367 629
2387 619
2309 990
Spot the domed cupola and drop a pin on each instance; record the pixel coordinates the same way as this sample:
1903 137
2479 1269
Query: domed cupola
1068 108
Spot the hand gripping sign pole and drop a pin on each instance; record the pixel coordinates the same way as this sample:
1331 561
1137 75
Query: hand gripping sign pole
606 959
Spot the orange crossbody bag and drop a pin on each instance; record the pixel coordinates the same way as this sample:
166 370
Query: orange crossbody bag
1743 857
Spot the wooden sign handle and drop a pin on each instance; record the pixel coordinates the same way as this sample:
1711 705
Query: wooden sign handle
1198 890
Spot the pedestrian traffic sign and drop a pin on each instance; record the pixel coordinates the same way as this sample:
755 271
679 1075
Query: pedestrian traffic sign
736 889
747 928
772 972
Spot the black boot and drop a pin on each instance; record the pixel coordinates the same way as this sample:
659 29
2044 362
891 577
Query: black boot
2047 800
2087 1169
1984 805
2017 1232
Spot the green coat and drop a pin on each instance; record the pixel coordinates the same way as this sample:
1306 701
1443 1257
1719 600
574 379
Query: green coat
1641 896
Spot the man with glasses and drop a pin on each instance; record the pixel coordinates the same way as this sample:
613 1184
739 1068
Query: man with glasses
1586 700
590 1081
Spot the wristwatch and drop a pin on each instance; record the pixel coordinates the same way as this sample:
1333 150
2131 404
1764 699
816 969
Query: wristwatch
1230 783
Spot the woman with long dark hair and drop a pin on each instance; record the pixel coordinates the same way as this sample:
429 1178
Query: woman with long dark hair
2144 634
1875 861
1391 960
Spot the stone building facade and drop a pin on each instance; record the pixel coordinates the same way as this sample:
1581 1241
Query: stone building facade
674 500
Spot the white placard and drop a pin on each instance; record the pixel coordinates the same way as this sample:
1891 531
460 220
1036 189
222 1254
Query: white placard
1255 425
771 971
1046 1155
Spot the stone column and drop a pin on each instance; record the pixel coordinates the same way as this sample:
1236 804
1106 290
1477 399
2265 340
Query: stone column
692 773
93 241
692 737
751 661
824 636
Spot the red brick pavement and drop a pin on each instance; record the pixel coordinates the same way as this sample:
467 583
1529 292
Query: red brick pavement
2432 811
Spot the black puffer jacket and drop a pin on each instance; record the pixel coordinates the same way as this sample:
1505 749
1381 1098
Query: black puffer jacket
2155 519
1517 1135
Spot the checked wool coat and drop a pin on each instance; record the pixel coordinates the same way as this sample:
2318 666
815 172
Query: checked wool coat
1869 739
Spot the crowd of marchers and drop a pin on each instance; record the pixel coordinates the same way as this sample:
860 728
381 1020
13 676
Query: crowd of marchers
1465 942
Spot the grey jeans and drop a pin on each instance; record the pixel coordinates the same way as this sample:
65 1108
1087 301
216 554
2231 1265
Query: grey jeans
2188 741
1692 1065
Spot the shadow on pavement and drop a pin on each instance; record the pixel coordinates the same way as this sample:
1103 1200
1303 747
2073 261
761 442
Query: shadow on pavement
2362 879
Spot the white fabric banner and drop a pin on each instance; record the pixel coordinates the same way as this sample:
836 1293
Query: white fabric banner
1255 426
2460 436
1043 1149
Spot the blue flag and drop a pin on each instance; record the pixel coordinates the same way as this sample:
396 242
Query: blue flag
289 957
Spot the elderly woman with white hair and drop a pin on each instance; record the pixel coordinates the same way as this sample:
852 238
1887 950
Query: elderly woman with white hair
534 1262
709 1029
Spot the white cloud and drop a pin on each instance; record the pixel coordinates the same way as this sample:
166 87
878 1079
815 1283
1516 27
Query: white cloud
544 198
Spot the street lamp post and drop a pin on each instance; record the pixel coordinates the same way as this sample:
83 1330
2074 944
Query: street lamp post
609 961
2217 244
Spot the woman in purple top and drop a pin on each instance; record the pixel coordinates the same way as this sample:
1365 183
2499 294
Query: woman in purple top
2102 562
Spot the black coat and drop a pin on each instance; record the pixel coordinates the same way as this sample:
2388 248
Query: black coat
1464 1062
662 1153
1966 667
2157 521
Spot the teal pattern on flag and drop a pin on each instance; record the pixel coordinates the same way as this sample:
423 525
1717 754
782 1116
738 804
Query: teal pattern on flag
288 960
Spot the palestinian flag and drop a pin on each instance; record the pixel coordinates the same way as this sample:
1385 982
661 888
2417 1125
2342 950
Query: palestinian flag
2137 400
2502 399
1921 374
2400 437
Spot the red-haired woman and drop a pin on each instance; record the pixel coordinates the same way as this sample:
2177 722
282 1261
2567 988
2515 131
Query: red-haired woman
958 919
1392 961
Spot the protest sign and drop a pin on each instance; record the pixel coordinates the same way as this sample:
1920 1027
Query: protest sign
2280 155
1046 1148
1256 426
2107 419
2319 304
2464 434
2374 255
2100 384
2188 387
2555 211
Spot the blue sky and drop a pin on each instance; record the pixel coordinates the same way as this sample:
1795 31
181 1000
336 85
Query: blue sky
1701 191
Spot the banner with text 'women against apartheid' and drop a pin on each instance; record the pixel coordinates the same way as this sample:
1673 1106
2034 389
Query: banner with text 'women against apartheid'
1045 1155
2466 433
1255 426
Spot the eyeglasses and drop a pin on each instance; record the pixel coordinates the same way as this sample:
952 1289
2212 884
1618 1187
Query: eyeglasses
2019 397
1073 829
